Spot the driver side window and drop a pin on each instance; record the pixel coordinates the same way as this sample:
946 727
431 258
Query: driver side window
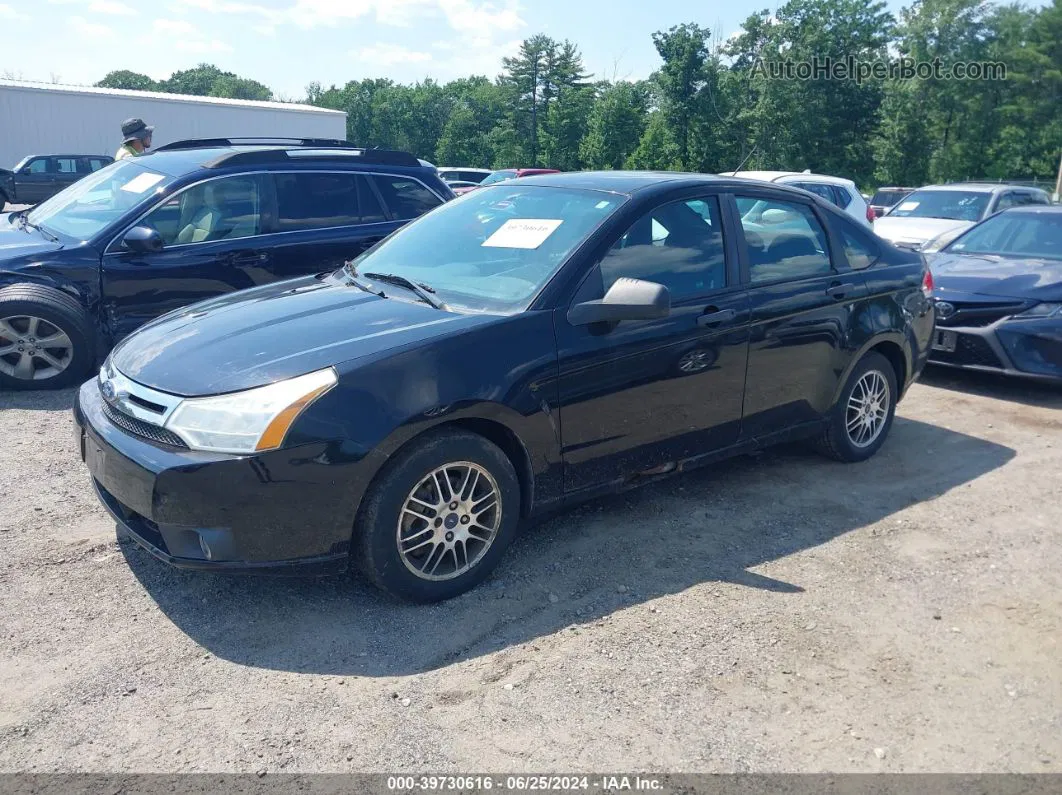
220 209
678 245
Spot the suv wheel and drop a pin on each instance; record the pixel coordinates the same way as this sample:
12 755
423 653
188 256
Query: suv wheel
45 338
439 518
863 416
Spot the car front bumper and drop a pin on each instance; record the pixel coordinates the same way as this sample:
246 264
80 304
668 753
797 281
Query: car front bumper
285 511
1024 348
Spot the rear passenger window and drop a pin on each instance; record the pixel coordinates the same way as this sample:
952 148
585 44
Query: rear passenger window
859 249
322 201
406 198
678 245
66 165
785 240
96 163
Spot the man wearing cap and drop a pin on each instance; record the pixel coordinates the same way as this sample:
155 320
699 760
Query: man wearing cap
136 139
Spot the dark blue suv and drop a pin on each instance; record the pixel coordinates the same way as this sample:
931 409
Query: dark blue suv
193 220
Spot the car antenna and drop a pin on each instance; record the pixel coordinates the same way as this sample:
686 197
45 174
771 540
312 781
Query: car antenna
743 162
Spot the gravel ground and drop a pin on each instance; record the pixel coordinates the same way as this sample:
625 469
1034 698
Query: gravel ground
774 613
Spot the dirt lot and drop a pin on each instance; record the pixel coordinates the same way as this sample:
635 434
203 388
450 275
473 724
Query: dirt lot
772 613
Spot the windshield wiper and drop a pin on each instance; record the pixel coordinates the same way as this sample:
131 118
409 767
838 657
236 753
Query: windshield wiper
421 290
26 223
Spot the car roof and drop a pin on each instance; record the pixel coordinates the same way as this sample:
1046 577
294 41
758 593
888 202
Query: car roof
978 187
178 162
66 154
630 182
1034 209
773 176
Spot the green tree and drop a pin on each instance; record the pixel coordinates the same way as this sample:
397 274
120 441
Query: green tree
233 87
684 50
130 81
615 125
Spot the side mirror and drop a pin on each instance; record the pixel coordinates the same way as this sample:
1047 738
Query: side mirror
626 299
772 217
142 240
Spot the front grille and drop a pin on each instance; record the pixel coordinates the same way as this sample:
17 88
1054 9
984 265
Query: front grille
143 429
969 350
979 315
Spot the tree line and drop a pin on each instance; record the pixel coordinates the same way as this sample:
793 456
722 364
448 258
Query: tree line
710 107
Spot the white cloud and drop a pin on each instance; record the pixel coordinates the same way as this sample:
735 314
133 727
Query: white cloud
390 55
482 20
471 58
200 46
177 27
111 7
92 29
12 14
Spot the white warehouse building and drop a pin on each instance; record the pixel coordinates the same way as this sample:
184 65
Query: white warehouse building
41 118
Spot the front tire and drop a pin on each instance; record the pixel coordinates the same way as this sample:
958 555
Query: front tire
439 517
862 417
46 339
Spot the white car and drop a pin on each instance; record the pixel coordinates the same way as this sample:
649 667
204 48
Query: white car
461 174
842 192
931 217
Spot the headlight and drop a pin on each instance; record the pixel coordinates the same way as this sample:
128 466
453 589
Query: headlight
250 421
1041 311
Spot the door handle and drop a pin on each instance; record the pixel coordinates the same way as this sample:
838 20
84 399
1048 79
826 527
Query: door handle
713 317
249 258
838 290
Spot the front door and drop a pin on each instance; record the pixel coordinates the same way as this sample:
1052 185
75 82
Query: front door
640 395
35 181
212 244
801 308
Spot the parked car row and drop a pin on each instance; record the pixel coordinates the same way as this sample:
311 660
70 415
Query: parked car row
406 378
539 341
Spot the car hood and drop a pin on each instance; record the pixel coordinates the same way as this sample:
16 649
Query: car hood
282 330
915 230
18 245
1006 277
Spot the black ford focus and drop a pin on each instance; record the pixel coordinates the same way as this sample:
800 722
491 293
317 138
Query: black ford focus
529 345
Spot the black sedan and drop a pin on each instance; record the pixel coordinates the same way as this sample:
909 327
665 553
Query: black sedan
529 345
998 296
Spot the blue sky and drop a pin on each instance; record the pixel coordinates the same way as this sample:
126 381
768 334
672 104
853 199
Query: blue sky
288 43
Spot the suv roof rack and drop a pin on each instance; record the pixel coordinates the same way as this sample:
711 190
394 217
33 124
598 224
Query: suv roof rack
213 143
290 149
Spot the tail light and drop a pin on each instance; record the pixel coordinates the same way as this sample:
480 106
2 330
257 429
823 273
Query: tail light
927 283
871 215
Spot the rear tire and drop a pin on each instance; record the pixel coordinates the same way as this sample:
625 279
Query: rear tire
860 421
46 338
438 518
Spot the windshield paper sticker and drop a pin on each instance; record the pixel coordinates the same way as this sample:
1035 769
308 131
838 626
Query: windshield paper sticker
522 233
906 207
141 183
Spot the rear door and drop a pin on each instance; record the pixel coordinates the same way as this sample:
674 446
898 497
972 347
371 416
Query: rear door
66 173
321 219
643 394
800 297
213 243
35 180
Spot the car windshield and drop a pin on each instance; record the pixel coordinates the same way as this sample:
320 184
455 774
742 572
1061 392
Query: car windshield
1014 235
957 205
887 198
499 176
96 201
493 249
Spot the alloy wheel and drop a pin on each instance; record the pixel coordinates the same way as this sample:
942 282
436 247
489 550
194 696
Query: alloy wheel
33 349
449 521
868 409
